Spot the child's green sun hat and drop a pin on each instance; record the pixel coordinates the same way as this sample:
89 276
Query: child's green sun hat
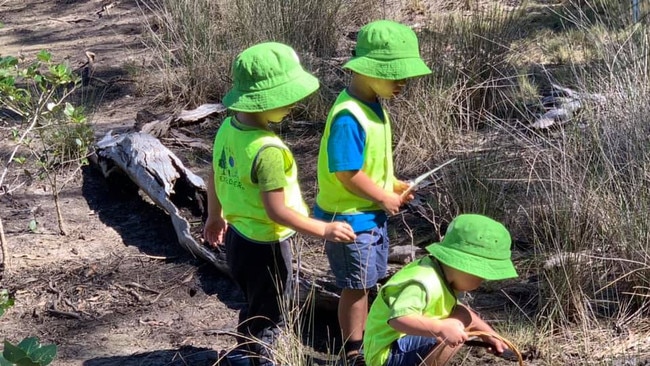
477 245
268 76
387 50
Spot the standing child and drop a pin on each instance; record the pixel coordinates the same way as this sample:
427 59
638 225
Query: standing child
416 319
256 202
355 168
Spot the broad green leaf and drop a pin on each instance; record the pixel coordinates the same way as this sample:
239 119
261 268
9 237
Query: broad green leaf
13 353
28 343
44 354
35 353
44 56
20 159
32 69
61 74
33 225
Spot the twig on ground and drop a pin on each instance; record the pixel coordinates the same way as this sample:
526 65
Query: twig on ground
4 263
130 291
162 258
134 284
52 310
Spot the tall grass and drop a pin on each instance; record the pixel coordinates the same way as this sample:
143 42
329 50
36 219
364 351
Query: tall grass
580 193
588 189
195 41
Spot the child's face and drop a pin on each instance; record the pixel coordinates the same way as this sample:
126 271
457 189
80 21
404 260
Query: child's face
461 281
386 89
465 282
276 115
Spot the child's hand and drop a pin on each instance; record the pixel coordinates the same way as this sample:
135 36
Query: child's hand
214 230
399 187
452 332
391 203
497 346
339 232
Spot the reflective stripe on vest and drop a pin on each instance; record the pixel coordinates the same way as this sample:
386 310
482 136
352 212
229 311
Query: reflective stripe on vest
332 196
234 153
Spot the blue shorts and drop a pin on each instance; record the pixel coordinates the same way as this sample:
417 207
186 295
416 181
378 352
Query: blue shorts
361 264
410 350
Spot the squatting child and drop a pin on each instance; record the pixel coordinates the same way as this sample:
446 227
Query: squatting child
416 318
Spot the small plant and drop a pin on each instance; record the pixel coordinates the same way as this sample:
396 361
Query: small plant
52 134
29 352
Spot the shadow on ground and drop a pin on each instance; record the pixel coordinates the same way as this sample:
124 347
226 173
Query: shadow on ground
142 224
172 357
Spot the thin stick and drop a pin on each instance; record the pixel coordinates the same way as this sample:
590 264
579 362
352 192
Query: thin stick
4 262
68 314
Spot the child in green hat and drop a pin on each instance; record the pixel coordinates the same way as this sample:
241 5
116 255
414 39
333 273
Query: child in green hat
355 168
416 318
254 203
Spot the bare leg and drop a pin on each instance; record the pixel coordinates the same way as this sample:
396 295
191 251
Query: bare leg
352 314
440 355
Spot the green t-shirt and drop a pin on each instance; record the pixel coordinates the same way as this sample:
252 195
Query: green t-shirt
271 166
405 299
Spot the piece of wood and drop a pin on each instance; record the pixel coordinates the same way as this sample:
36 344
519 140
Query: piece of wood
163 177
160 128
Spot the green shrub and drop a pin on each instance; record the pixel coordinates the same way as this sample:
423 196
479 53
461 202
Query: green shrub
51 134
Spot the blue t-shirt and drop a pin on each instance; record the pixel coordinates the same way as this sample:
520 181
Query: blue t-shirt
345 146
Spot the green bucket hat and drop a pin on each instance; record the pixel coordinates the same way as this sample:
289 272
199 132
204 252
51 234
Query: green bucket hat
268 76
477 245
387 50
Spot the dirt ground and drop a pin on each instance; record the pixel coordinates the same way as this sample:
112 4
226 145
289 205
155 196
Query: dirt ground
118 290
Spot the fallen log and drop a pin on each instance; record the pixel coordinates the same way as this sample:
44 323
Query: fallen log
164 178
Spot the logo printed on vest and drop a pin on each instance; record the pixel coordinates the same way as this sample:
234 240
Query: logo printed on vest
228 174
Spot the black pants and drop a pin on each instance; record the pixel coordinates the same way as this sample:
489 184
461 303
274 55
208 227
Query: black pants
262 271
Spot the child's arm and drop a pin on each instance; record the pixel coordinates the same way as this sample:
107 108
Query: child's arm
358 182
215 225
278 211
450 331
